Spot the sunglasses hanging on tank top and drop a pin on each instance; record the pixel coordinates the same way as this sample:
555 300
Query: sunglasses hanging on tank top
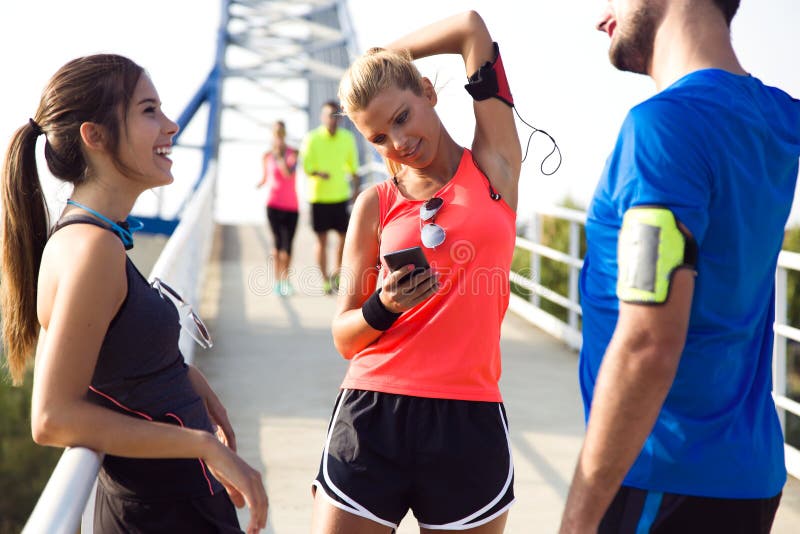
432 234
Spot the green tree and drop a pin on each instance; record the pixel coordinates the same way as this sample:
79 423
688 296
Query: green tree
552 274
24 466
791 242
555 276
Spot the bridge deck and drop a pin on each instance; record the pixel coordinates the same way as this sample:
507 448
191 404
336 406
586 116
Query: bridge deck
275 368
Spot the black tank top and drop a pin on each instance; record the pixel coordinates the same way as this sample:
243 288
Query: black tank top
141 373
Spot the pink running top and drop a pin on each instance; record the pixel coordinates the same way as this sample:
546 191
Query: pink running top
448 346
281 187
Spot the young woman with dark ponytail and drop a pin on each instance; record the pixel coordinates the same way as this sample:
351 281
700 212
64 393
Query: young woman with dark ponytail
108 373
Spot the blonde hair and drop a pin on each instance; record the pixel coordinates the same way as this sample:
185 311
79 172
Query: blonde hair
376 70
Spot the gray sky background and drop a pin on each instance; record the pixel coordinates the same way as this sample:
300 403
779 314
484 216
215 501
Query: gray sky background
556 62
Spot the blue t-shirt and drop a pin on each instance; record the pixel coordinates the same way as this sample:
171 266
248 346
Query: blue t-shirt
721 151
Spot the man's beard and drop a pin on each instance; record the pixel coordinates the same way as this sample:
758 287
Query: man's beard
632 51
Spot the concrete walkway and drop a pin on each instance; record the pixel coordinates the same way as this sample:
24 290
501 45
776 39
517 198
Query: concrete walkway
276 370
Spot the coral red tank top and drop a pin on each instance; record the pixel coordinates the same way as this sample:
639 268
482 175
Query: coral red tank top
448 346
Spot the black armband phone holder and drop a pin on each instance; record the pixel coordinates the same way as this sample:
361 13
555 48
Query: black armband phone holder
376 314
490 81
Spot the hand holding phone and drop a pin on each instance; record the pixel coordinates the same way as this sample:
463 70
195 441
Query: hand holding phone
401 293
407 256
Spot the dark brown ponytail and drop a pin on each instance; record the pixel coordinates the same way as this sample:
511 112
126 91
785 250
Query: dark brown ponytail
24 233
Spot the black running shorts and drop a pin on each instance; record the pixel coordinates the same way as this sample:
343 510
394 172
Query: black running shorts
448 461
636 510
212 514
326 217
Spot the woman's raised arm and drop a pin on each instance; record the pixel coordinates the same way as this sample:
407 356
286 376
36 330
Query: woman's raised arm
495 146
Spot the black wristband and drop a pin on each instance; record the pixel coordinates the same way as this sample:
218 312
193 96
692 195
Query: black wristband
376 314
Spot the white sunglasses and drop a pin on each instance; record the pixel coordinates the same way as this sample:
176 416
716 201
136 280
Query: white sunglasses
190 321
432 234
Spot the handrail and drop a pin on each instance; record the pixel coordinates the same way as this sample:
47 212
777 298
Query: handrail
561 212
548 252
70 485
787 261
185 253
59 508
69 488
569 332
530 309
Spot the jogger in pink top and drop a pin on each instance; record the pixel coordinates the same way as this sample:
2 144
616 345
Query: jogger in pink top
282 213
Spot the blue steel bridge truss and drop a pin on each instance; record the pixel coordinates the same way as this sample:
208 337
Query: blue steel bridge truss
265 43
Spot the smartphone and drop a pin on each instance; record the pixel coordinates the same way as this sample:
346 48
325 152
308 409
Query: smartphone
407 256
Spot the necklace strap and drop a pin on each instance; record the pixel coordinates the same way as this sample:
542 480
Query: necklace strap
123 228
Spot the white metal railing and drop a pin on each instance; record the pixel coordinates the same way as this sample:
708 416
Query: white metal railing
69 492
59 508
568 331
189 247
787 261
186 252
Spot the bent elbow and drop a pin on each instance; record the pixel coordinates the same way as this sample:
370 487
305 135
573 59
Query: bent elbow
345 349
342 342
474 23
45 428
473 18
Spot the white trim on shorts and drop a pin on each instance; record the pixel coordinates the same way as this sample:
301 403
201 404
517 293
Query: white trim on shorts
354 507
464 524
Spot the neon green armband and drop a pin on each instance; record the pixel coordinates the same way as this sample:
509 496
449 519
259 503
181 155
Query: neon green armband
651 247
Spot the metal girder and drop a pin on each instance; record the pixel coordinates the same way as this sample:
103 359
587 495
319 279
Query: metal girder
271 44
277 41
301 40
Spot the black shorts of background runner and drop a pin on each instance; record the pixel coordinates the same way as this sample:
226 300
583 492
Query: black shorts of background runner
212 514
326 217
283 225
449 461
635 510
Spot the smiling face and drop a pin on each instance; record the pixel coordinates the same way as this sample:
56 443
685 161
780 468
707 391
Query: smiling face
632 26
146 140
402 125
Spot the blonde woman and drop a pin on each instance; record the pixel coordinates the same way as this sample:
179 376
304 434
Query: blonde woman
419 423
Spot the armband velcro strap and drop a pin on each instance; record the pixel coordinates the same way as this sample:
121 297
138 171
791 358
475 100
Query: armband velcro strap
376 314
490 81
651 247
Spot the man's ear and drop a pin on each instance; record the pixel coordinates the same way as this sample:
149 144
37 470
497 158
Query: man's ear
429 91
93 136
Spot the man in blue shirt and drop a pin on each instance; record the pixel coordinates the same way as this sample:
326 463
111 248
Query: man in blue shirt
677 288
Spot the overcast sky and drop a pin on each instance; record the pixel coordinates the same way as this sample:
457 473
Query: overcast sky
556 62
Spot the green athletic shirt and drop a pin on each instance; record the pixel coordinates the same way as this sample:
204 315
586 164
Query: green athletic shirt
335 154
